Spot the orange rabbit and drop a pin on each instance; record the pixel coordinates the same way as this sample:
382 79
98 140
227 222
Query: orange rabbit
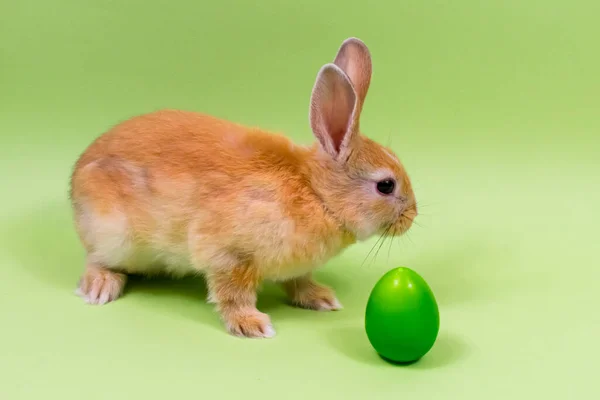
181 192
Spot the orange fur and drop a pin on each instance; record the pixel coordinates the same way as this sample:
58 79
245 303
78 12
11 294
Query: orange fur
184 192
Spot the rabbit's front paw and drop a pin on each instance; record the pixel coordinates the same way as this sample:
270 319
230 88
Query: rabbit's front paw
250 324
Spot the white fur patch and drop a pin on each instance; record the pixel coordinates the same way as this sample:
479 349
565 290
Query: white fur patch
381 174
109 236
150 261
269 331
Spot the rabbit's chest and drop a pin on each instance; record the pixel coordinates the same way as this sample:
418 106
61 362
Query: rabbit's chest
297 258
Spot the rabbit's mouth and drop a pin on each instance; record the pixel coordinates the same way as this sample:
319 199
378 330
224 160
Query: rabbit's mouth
405 221
399 226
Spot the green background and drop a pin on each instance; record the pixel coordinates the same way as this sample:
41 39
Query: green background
493 106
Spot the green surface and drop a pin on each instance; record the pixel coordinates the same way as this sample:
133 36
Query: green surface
492 105
402 317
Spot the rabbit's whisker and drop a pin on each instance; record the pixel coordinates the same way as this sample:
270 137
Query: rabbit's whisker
385 236
381 238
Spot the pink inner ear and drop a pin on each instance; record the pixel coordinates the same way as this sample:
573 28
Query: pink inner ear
337 105
354 59
338 119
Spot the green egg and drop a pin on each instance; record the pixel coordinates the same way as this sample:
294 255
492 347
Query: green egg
402 318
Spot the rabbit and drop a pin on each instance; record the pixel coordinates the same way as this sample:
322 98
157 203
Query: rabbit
180 192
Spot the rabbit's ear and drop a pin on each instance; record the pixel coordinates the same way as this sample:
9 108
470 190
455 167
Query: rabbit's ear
333 108
354 59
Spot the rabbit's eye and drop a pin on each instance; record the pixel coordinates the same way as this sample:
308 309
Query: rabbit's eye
386 186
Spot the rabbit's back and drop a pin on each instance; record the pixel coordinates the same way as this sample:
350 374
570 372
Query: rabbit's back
169 139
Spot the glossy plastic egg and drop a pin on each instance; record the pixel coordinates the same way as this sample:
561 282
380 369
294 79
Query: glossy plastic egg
402 317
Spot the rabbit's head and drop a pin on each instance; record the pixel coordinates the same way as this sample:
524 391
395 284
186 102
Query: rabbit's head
360 181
